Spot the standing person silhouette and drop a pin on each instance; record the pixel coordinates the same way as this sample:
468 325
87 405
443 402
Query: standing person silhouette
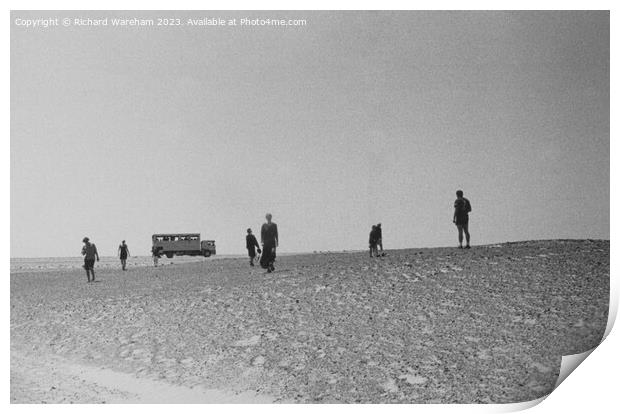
89 251
462 207
380 239
252 245
156 254
372 241
269 239
123 252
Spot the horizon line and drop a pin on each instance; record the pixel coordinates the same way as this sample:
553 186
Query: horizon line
333 251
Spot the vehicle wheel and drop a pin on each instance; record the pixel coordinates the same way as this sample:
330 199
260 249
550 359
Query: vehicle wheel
169 255
207 253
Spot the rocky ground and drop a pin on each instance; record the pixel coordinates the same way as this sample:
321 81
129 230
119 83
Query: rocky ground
440 325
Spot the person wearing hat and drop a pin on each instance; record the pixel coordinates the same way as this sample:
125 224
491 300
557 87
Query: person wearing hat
89 251
123 252
252 245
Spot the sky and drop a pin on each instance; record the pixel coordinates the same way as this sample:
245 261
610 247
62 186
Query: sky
352 119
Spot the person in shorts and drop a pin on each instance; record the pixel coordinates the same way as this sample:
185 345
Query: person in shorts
462 207
89 251
123 252
252 245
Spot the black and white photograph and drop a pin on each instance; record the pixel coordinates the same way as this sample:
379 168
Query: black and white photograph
306 206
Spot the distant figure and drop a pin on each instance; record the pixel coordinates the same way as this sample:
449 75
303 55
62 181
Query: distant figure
269 239
252 245
89 251
156 255
372 241
123 252
380 239
462 207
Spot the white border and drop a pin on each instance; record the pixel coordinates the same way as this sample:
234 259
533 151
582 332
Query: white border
593 384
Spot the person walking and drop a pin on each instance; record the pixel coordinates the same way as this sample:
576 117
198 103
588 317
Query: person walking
269 240
462 208
123 252
252 245
89 251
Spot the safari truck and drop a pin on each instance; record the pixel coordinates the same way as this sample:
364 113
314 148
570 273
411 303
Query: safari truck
182 244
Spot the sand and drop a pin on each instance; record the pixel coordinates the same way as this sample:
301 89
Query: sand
444 325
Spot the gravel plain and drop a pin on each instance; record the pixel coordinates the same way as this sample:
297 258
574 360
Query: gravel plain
437 325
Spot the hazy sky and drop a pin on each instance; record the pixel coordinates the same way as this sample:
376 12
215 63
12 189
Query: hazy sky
354 119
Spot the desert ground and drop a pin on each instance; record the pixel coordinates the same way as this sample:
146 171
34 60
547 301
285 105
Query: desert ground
438 325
